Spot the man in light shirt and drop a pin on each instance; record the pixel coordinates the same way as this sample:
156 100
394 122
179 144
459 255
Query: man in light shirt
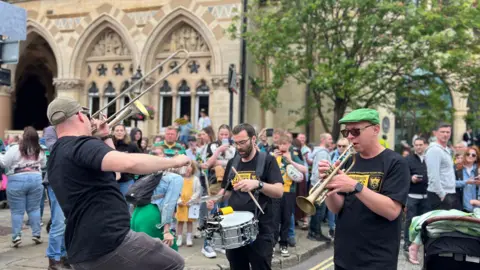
441 174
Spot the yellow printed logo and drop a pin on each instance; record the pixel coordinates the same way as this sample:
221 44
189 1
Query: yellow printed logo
244 176
375 183
361 178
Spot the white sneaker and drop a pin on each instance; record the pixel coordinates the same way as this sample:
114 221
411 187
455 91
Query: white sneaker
17 241
179 241
198 234
221 250
209 252
189 240
284 251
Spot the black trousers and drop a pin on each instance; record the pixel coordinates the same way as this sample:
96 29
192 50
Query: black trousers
450 201
257 255
283 216
415 207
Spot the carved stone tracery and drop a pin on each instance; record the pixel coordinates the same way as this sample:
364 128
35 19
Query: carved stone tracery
110 44
185 37
67 84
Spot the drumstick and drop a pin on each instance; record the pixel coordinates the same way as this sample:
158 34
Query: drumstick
249 193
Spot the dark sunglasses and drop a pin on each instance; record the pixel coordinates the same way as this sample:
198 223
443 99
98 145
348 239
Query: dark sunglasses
342 146
354 131
472 155
85 112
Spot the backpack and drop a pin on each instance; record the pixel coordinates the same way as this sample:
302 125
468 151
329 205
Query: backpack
259 170
141 192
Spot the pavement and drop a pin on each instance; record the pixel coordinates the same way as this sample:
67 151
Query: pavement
31 257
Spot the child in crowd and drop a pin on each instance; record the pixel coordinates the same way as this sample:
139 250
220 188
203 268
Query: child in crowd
192 189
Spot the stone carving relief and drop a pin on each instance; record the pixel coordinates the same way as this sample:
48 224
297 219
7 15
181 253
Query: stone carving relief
185 37
67 84
110 44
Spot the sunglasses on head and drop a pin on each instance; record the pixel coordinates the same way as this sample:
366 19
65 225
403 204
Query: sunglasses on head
354 131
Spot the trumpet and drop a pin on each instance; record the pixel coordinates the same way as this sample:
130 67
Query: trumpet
318 193
135 106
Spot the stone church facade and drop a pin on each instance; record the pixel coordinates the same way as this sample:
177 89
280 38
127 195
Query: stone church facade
90 50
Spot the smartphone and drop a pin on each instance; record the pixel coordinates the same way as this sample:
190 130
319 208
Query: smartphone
477 177
269 132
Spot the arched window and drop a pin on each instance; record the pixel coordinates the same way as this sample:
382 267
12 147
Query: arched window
126 98
202 98
184 101
108 95
166 105
93 98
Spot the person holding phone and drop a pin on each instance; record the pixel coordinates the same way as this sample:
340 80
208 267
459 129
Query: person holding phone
417 203
468 181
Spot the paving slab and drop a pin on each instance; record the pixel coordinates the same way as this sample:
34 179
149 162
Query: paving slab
31 257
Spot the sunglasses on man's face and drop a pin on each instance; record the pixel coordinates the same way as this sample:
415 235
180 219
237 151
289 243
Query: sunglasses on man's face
341 145
354 131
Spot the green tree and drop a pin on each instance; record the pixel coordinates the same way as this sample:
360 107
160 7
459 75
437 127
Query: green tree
357 53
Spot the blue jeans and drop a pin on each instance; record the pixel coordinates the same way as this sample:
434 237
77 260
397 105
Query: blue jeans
317 219
124 186
56 241
42 205
291 230
24 193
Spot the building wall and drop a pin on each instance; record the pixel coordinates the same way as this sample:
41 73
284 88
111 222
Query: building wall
98 45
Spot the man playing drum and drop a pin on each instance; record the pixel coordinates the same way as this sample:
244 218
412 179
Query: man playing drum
257 255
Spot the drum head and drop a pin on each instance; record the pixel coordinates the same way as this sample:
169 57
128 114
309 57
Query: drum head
236 218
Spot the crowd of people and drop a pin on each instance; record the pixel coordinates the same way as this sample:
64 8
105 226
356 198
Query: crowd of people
89 177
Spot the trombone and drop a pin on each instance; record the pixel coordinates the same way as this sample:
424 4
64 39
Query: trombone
318 193
128 110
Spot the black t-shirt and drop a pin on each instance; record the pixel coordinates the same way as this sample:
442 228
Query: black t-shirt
121 146
97 217
241 201
363 239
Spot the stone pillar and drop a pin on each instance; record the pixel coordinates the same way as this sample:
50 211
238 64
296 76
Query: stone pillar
5 109
219 102
72 88
459 125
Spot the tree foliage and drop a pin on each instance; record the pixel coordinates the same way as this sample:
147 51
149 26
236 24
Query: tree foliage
359 53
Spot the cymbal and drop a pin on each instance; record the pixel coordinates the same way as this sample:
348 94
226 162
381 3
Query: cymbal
205 199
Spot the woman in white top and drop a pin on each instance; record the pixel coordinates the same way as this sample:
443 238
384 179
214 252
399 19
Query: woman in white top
24 163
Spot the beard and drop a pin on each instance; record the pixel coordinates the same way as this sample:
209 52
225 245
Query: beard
247 151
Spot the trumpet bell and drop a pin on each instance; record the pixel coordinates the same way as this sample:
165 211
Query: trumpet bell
306 205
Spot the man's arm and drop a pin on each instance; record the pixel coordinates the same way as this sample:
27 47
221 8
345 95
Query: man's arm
380 204
433 160
115 161
335 202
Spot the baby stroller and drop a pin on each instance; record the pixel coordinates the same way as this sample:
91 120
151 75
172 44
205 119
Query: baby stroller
451 250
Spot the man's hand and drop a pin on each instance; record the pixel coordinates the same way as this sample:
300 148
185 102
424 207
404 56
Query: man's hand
277 153
181 160
341 183
210 205
475 202
288 157
414 178
101 127
246 185
324 166
168 239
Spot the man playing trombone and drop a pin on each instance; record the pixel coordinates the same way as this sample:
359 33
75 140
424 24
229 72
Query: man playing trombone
80 169
368 199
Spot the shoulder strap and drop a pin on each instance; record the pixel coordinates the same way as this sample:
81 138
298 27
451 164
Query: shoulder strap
235 162
260 169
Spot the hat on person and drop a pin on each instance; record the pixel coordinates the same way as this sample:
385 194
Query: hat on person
361 115
62 108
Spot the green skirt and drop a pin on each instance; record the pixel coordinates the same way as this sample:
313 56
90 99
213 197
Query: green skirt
145 219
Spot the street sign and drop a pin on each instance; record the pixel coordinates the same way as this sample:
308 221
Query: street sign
5 77
9 51
14 21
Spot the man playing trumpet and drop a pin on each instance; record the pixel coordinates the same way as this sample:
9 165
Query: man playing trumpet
369 199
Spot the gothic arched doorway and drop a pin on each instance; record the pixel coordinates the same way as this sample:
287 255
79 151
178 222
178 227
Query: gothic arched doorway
34 83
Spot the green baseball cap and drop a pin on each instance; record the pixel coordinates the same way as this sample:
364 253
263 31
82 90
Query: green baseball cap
360 115
62 108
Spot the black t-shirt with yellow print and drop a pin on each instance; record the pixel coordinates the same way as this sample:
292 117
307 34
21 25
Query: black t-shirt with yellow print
364 239
241 201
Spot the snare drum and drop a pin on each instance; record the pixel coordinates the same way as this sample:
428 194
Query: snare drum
233 231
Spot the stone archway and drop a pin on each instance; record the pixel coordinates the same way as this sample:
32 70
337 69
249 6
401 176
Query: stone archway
34 88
